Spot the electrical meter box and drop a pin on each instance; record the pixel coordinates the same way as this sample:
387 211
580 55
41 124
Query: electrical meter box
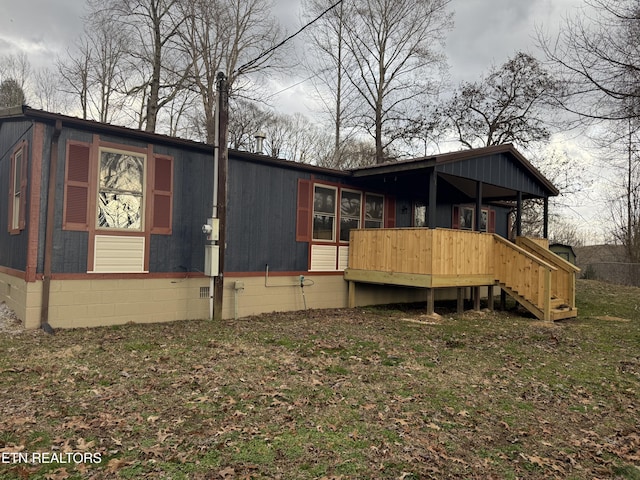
214 236
211 260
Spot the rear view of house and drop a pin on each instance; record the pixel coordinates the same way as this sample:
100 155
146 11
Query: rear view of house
103 224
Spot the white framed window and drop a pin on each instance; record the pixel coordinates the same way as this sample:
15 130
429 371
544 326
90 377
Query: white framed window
374 208
17 190
419 214
484 219
324 213
350 212
467 218
121 180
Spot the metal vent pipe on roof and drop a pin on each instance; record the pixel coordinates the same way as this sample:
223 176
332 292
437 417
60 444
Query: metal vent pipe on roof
259 136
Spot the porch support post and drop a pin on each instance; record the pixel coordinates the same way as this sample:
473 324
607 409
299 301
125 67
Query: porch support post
503 300
490 297
519 215
433 190
478 206
545 228
476 299
430 301
460 303
352 294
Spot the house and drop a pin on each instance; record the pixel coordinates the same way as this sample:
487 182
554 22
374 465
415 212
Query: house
564 251
104 224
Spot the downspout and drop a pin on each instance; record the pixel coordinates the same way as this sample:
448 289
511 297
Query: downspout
49 224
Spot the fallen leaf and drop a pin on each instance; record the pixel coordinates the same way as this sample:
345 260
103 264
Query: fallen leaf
227 473
59 474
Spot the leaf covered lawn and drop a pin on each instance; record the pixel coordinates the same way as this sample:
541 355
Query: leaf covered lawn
334 394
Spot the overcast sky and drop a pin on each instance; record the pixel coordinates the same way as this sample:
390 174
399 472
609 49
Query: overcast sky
486 33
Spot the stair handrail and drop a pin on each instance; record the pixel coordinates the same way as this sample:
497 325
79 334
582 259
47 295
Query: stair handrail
524 252
540 300
570 269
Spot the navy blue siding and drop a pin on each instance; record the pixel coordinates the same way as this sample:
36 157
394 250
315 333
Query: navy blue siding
261 219
13 253
496 169
181 252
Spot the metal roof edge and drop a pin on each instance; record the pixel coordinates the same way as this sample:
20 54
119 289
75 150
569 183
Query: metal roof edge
152 137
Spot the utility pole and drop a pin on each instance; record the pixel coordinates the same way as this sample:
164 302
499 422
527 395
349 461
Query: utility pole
220 202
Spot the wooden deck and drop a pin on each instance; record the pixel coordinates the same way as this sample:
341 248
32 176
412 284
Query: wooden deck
436 258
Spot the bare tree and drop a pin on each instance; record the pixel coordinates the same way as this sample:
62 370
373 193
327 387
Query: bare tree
223 35
47 90
246 119
93 70
395 46
624 195
74 72
156 72
332 59
597 54
561 169
510 105
17 68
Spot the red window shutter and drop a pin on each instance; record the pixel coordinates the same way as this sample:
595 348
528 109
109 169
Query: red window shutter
303 214
162 208
455 221
76 187
389 212
492 221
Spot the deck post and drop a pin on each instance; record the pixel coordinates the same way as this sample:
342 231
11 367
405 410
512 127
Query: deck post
545 215
478 215
503 300
460 305
476 298
352 294
547 295
490 297
433 189
430 301
519 214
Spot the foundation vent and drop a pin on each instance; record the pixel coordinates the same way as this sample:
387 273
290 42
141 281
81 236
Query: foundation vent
204 292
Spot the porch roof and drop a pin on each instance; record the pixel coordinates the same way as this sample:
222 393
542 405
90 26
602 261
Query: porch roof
503 170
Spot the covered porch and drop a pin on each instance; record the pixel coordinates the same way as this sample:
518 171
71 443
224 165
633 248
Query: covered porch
535 277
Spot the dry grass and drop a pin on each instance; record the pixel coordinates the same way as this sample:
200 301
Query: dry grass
340 394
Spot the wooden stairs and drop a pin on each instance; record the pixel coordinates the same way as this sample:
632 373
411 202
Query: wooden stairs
557 298
559 309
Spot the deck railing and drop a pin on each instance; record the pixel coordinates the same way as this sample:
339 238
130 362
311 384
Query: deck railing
458 258
420 251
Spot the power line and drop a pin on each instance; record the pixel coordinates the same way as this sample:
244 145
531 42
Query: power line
250 63
290 86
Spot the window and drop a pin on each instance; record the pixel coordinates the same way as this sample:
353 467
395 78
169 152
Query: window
374 208
419 214
324 213
120 190
464 218
17 190
484 216
350 208
17 170
467 218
